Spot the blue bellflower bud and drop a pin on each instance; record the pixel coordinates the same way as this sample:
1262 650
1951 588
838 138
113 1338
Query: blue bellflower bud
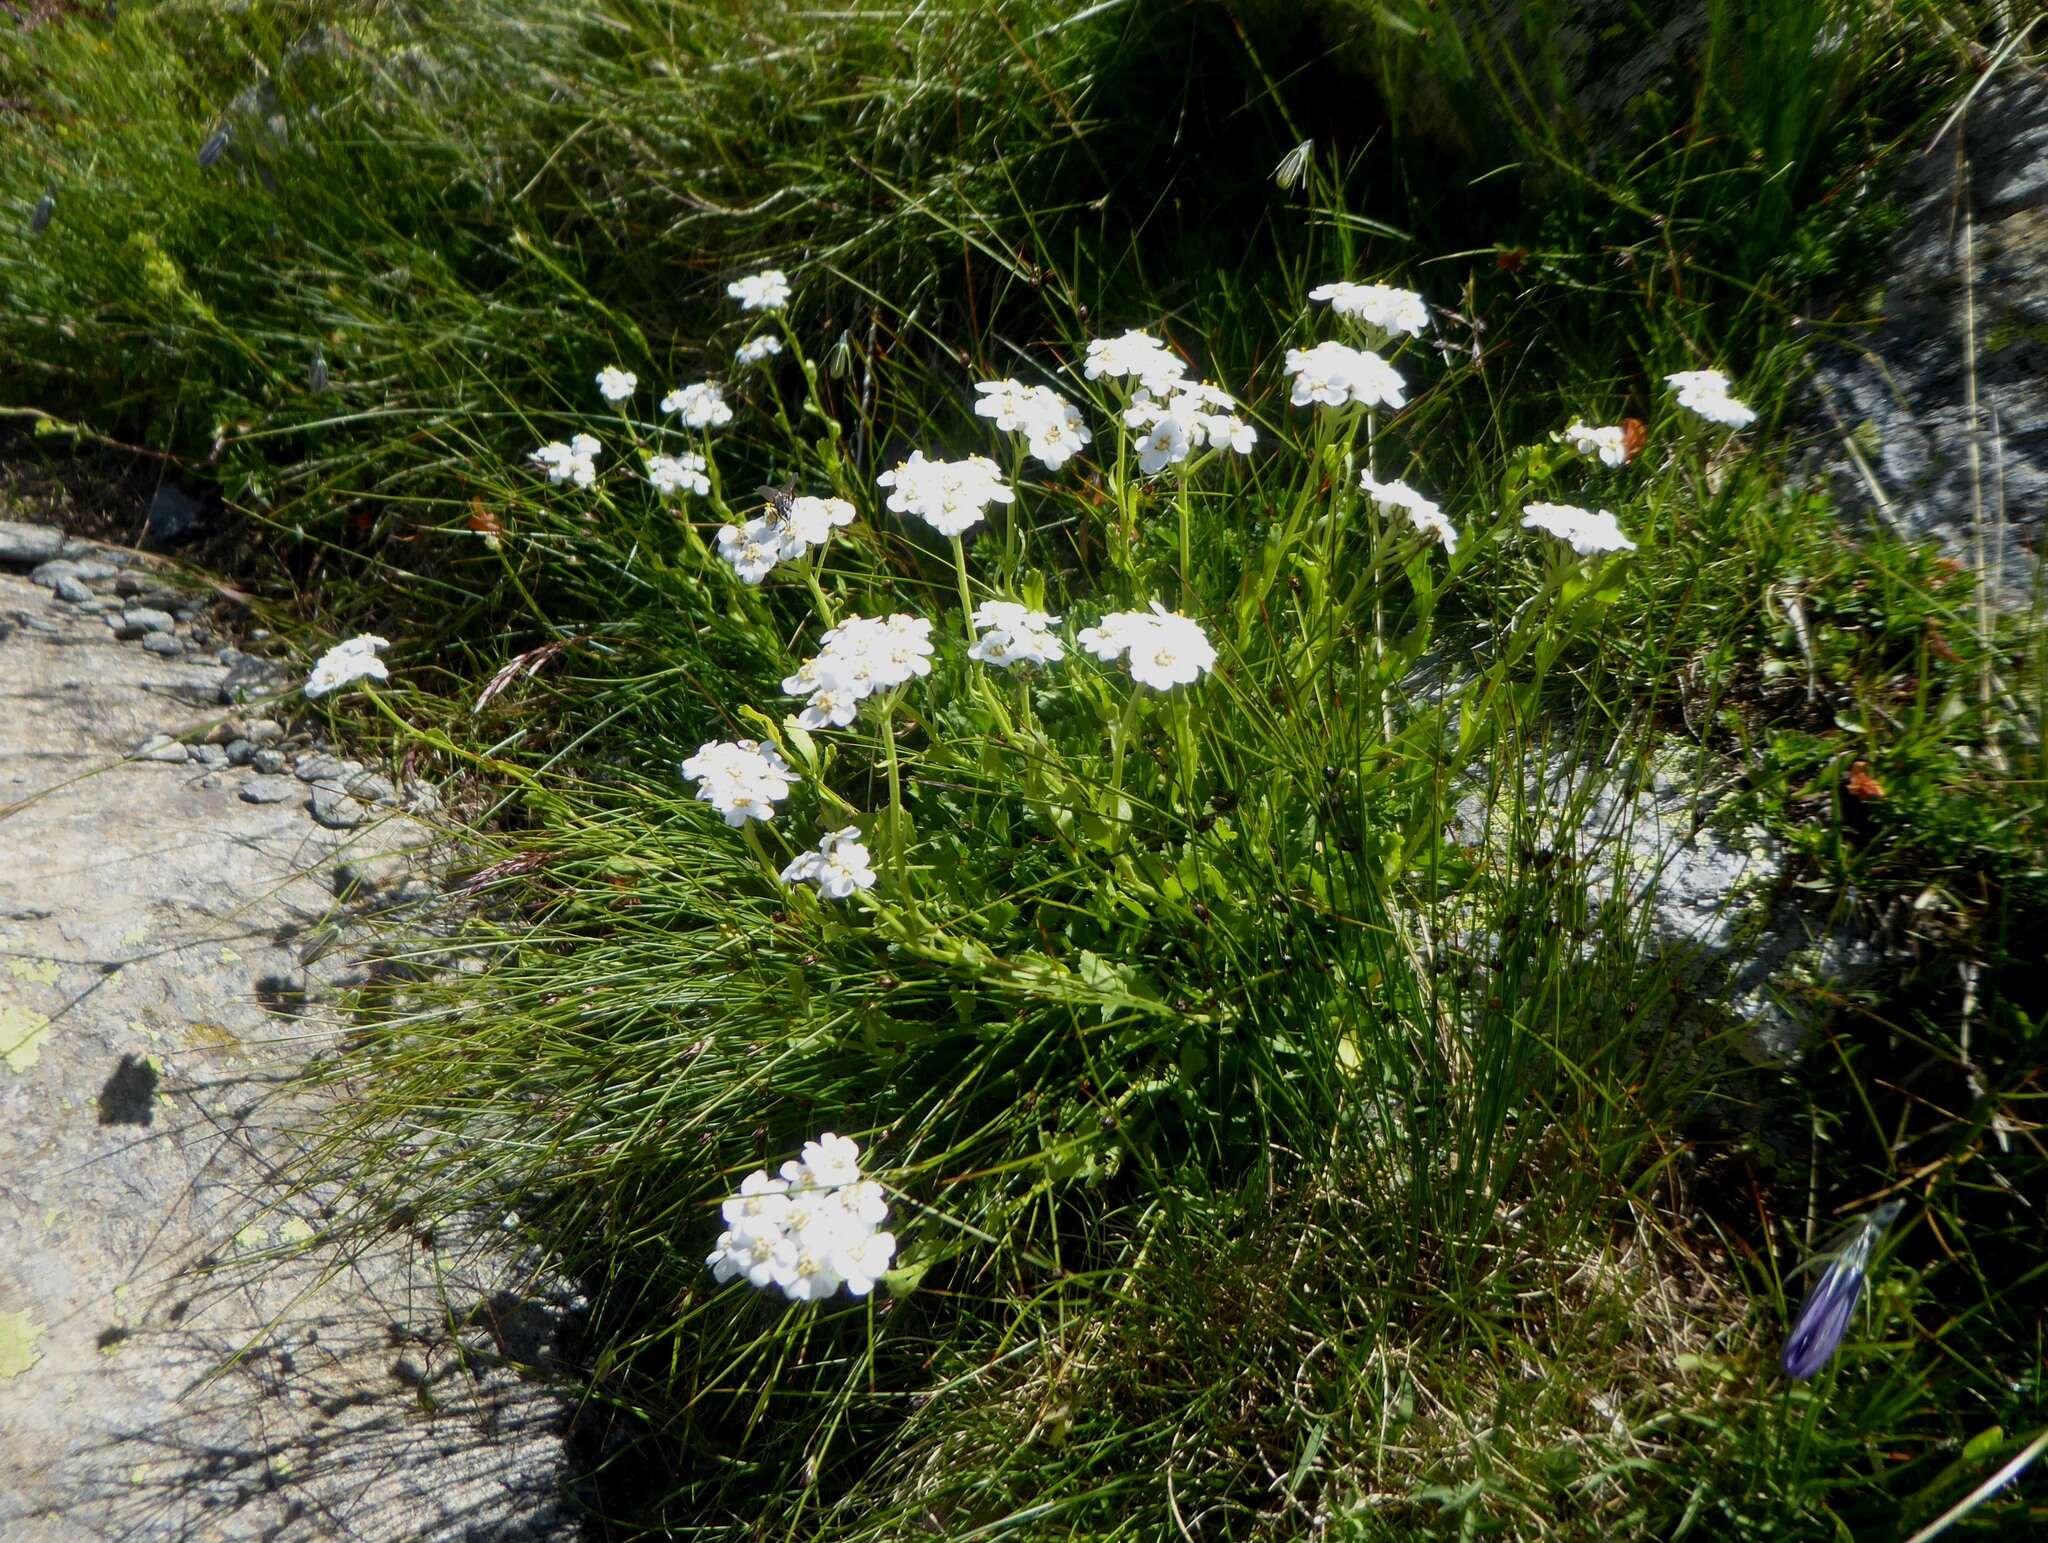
1824 1318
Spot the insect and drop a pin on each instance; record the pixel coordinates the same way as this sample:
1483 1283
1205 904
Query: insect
316 373
781 501
216 145
39 218
1824 1316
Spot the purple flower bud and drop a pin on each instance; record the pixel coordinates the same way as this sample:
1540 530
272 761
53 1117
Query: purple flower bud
1824 1318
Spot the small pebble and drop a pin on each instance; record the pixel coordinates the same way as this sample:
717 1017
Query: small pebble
268 790
335 809
264 731
161 747
268 761
163 643
148 619
128 584
240 752
321 767
72 589
210 756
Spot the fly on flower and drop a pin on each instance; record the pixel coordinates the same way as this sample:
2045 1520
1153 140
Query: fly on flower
1824 1318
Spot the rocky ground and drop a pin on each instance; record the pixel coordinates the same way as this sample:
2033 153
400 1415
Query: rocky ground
180 877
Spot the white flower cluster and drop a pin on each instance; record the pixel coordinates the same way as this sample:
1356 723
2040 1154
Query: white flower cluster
742 779
1051 425
574 462
1706 393
1423 513
809 1232
950 496
1135 356
860 656
1396 312
1609 443
702 406
615 384
1588 532
685 473
1008 634
767 290
1164 648
754 549
346 663
840 865
756 349
1336 374
1194 415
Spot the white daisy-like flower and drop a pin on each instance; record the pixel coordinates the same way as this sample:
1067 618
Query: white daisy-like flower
811 522
816 1228
752 549
1053 428
1396 312
841 865
1194 415
1008 634
754 350
950 496
1609 443
742 779
1164 649
685 473
346 663
701 406
767 290
1589 532
856 659
1706 392
574 462
1335 375
1424 513
1135 356
615 384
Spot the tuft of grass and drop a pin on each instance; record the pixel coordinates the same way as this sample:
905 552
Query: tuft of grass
1290 1130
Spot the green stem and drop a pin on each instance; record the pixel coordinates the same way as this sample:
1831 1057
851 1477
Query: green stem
1118 741
896 863
966 602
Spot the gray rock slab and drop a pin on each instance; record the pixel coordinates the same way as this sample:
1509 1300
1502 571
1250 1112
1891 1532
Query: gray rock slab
335 809
179 1367
24 546
319 766
269 790
72 588
1971 260
162 643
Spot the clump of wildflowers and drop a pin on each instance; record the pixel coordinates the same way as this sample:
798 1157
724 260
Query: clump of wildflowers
857 658
1396 312
1008 634
685 473
346 663
1336 375
1706 392
1135 356
840 865
755 350
1423 513
752 550
615 384
574 462
1589 532
783 535
742 779
1609 443
809 1232
1164 649
701 406
767 290
950 496
1196 414
1051 425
